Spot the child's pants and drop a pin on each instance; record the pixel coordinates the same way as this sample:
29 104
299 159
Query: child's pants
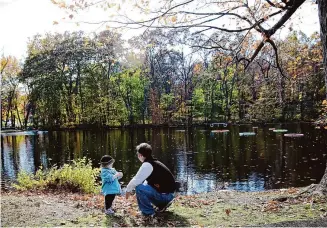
108 200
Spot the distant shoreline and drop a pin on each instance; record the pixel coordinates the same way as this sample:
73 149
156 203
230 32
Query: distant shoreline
134 126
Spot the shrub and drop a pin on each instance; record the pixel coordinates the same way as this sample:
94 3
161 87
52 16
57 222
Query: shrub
322 120
27 181
79 176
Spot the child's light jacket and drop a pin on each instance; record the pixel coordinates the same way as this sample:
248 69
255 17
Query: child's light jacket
110 185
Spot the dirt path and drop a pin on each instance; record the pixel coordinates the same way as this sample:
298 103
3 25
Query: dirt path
224 208
35 210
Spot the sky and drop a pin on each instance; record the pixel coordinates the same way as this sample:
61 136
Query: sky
22 19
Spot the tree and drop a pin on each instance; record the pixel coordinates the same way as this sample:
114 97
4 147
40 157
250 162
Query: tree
57 69
170 73
263 17
257 16
130 86
302 61
9 71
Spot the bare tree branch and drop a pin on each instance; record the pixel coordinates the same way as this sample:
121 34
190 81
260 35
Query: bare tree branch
258 49
272 43
284 18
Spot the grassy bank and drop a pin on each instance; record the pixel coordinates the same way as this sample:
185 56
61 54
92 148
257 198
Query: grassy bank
223 208
46 199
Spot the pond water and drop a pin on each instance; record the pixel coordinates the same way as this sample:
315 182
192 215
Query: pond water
203 161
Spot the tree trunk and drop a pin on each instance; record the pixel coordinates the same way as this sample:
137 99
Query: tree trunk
144 106
212 104
29 106
240 104
20 122
13 119
322 186
9 107
322 11
282 97
79 90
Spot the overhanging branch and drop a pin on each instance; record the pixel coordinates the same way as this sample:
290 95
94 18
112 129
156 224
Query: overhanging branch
272 43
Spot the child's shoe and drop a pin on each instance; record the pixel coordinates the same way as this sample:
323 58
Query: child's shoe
109 211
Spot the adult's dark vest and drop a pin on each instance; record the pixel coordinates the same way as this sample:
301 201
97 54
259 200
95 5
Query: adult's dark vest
161 178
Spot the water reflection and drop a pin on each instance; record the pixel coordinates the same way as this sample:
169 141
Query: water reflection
201 160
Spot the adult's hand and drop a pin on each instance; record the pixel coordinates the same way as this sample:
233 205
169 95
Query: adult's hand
128 194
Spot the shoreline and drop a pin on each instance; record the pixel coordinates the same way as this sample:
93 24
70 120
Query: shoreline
220 208
150 126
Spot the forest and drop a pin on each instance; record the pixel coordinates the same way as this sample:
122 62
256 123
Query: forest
161 78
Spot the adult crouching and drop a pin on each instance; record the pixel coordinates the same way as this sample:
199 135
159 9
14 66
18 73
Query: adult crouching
154 184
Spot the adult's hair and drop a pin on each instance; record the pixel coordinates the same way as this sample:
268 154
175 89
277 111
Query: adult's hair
145 150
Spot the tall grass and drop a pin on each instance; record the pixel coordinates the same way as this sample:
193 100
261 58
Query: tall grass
79 176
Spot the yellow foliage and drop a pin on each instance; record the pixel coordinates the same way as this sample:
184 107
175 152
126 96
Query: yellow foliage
9 67
197 68
78 176
62 5
3 63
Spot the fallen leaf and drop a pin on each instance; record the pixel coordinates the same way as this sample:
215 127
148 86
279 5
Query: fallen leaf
46 202
292 190
228 211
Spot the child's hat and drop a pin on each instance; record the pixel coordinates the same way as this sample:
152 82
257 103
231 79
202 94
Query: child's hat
107 159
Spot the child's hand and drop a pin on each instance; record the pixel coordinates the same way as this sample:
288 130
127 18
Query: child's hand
119 175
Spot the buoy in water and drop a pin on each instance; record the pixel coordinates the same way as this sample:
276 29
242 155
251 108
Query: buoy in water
220 131
293 135
280 130
246 133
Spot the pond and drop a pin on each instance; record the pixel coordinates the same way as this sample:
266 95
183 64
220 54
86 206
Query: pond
202 160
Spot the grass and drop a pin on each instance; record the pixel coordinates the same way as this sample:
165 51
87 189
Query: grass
222 208
216 209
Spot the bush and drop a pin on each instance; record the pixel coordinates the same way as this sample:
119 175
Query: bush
28 181
76 177
322 120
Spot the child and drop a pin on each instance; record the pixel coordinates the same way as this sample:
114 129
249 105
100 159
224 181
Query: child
110 184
